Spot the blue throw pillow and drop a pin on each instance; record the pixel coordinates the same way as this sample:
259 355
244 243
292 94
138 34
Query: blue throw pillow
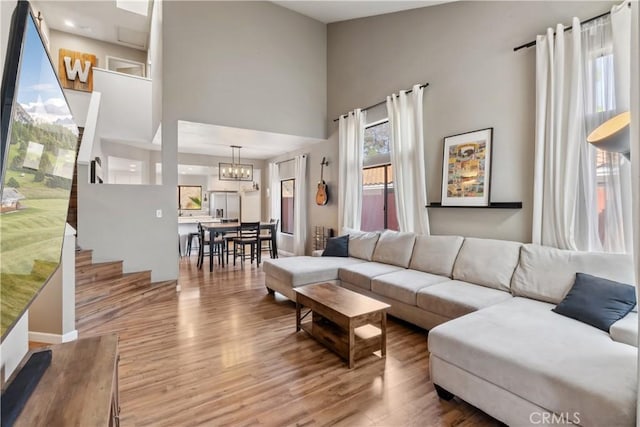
596 301
337 246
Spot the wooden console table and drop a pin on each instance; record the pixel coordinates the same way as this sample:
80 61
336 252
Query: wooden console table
80 387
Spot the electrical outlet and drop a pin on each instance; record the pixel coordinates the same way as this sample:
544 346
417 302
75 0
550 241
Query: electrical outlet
158 213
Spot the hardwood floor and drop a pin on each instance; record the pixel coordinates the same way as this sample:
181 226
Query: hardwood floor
224 352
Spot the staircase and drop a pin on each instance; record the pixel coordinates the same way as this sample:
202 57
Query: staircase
104 292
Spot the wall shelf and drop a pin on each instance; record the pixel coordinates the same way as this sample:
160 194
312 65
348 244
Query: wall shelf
492 205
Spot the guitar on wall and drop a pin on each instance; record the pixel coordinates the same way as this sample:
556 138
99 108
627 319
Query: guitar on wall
322 195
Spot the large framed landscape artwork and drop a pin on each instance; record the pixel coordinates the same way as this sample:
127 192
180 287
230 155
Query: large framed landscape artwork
466 168
38 148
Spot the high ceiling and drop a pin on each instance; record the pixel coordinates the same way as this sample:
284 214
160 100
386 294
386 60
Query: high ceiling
114 21
100 20
213 140
334 11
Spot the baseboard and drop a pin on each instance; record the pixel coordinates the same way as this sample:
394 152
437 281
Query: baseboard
48 338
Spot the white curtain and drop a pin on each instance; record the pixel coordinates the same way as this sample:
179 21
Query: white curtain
351 145
274 195
581 195
407 159
300 205
619 183
558 109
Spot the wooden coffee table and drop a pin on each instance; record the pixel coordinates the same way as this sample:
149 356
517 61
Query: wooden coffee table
342 320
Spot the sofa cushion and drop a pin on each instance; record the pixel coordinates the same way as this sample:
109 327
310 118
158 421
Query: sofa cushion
487 262
361 274
302 270
337 246
455 298
596 301
394 248
362 244
435 254
550 360
403 285
547 274
625 330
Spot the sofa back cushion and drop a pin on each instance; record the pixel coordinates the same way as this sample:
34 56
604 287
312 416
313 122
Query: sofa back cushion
435 254
547 274
487 262
394 248
361 244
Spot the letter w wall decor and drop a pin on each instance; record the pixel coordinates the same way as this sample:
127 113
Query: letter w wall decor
75 70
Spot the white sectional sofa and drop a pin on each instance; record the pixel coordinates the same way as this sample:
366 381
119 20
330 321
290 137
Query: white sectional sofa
493 339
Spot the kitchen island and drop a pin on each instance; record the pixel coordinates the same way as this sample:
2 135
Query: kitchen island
189 224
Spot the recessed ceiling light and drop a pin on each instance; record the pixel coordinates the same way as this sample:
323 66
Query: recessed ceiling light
69 23
132 166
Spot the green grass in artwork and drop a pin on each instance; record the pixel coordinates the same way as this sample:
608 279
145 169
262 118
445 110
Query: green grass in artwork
19 289
30 247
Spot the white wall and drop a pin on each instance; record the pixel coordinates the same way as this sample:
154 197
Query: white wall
154 63
125 108
14 346
119 223
252 65
464 50
121 150
61 40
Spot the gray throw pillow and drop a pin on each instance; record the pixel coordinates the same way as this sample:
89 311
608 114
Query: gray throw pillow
597 301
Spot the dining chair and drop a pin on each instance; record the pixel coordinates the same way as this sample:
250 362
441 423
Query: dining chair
269 236
248 235
215 246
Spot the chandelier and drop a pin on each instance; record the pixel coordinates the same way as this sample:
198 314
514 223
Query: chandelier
235 171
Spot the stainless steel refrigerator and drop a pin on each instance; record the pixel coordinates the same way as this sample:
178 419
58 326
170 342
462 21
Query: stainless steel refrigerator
224 205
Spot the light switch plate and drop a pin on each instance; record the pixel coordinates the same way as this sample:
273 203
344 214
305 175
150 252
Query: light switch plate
158 213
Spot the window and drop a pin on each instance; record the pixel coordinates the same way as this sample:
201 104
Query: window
609 168
287 188
378 200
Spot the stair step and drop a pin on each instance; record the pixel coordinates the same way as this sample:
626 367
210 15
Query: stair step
139 284
84 257
114 284
98 271
164 289
101 289
106 310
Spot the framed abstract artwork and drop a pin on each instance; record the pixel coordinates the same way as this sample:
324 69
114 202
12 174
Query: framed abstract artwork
190 197
466 168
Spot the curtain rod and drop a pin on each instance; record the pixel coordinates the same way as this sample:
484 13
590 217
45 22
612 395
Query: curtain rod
379 103
291 160
533 43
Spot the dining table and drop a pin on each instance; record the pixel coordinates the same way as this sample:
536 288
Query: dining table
234 227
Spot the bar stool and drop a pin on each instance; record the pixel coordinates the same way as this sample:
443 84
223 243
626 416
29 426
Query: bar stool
190 238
